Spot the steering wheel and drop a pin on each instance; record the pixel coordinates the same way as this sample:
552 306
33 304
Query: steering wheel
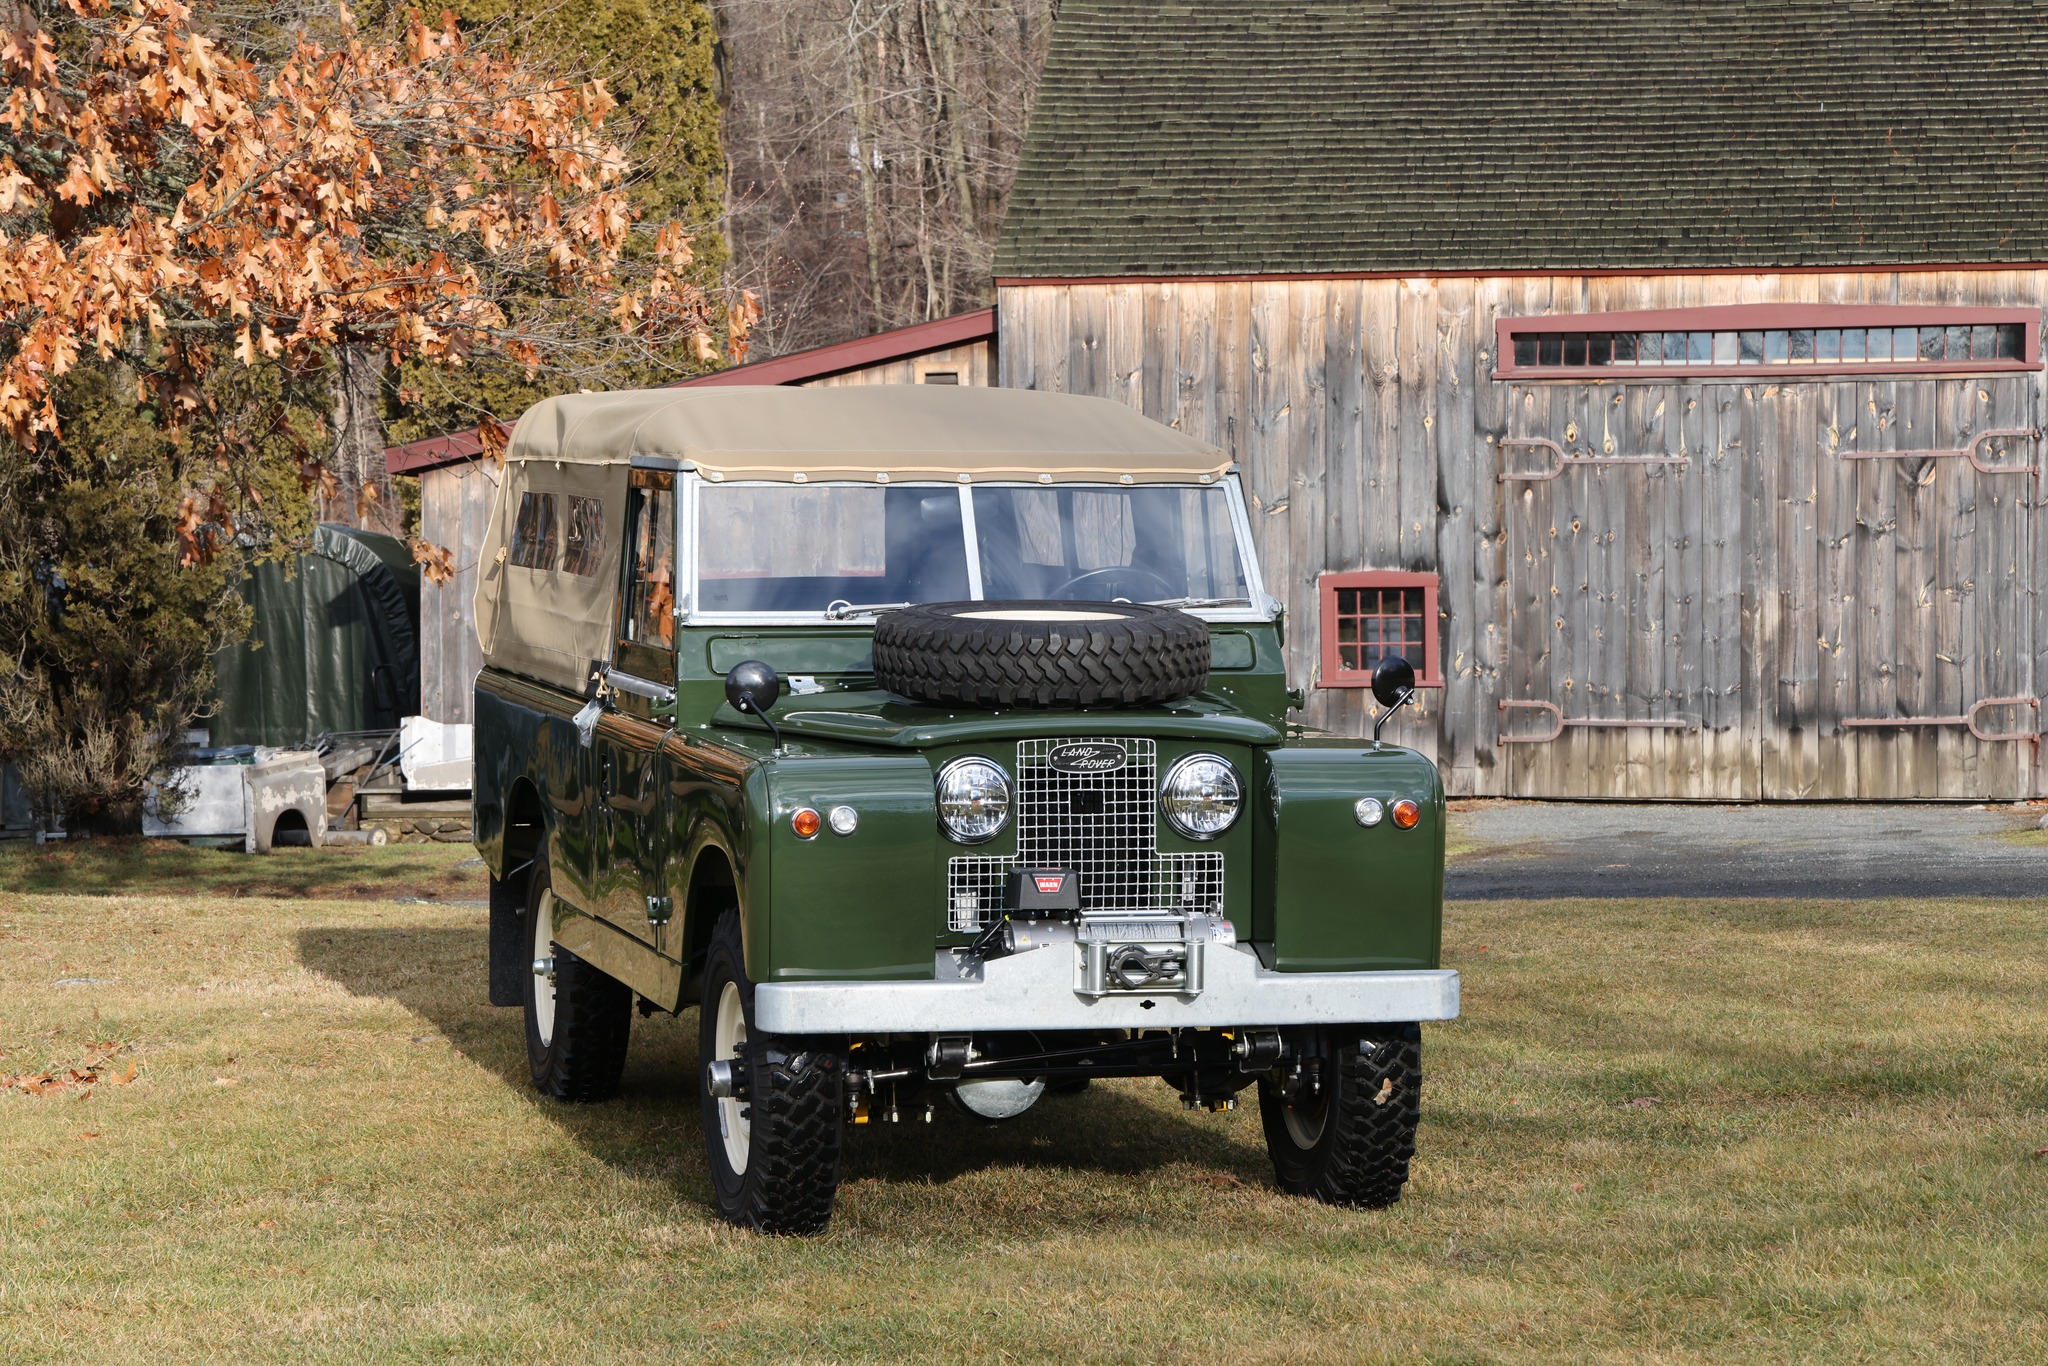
1125 570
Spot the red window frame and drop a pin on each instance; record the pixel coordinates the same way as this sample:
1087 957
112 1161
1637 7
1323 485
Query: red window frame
1336 674
1740 318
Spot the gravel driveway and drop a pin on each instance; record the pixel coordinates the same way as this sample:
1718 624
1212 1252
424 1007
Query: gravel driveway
1555 849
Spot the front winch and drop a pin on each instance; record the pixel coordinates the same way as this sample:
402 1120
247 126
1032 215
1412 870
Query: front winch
1129 955
1118 955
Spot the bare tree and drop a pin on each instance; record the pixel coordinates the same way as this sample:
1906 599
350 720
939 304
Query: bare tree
872 144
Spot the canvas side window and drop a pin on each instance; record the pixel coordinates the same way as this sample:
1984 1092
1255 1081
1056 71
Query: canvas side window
533 534
583 547
650 615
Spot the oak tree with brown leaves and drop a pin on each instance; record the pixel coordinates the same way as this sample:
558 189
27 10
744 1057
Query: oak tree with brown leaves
243 213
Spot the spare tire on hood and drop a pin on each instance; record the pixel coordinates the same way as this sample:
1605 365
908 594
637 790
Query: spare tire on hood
1041 654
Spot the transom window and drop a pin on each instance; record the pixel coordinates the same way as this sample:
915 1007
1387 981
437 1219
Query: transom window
1373 615
1769 340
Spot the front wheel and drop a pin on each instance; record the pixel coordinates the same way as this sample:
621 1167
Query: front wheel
774 1104
1340 1122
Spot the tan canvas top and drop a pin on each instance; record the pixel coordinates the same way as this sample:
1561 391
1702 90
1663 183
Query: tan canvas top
870 432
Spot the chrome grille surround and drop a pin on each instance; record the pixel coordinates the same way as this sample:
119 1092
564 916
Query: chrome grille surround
1104 826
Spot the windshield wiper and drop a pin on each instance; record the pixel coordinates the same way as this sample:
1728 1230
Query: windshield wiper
1198 602
839 609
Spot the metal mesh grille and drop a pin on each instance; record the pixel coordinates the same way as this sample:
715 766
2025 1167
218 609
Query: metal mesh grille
1103 826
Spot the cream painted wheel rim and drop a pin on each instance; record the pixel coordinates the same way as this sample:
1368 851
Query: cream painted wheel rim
544 987
728 1034
1305 1127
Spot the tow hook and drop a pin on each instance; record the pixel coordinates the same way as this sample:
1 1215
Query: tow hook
1258 1050
948 1057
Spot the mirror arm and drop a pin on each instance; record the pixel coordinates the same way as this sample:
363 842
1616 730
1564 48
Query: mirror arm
750 706
1381 720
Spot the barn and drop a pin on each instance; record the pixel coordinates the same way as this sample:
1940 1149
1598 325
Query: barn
1664 379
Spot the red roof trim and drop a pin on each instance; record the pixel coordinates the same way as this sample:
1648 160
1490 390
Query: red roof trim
1518 273
432 452
899 343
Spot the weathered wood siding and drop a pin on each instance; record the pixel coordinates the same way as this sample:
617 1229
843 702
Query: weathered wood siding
971 361
1748 598
455 505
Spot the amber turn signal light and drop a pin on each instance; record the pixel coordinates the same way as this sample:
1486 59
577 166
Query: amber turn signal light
1406 813
805 822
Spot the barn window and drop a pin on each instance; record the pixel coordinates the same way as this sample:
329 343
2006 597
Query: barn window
1371 615
1775 340
533 534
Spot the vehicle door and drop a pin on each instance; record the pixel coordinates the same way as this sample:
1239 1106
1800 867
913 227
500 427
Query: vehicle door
629 881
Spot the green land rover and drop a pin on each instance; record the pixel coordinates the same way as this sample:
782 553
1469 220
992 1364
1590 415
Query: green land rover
934 743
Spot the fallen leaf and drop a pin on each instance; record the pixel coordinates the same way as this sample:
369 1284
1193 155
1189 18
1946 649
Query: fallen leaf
88 1135
225 1081
2041 1152
1578 1188
267 1223
1220 1180
124 1076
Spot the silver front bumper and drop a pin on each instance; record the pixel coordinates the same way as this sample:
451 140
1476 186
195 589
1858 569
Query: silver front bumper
1040 990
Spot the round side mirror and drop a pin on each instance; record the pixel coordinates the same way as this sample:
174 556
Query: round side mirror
1393 678
752 686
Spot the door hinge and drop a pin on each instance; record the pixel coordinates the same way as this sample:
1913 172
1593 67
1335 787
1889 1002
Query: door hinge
659 909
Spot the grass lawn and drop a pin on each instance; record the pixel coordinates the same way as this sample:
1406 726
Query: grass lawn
1663 1131
148 868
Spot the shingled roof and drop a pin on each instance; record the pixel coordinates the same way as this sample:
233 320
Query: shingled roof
1261 137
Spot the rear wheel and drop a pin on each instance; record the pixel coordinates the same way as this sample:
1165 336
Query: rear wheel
774 1104
577 1019
1341 1126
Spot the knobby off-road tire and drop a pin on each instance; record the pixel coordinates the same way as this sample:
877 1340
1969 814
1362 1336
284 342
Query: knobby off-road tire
774 1150
510 962
1353 1146
1042 654
577 1024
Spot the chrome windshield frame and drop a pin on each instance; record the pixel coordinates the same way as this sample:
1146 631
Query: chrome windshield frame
1261 608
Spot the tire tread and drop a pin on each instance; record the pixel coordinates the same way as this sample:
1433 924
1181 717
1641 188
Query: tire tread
1148 656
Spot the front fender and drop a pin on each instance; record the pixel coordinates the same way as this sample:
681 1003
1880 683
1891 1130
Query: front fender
859 907
1344 898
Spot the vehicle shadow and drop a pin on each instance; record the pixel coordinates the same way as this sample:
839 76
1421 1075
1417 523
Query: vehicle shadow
652 1128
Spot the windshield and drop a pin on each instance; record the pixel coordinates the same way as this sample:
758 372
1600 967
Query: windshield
783 548
1098 544
841 550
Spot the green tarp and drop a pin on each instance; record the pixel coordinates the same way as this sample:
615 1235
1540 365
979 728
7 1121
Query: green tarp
335 645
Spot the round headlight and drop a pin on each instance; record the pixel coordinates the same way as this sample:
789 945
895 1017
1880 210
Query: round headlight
974 800
1201 796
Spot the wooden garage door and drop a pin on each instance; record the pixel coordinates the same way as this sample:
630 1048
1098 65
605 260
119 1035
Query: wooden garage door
1622 509
1751 590
1901 541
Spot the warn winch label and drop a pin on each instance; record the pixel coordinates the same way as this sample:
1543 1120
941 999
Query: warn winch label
1049 884
1090 756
